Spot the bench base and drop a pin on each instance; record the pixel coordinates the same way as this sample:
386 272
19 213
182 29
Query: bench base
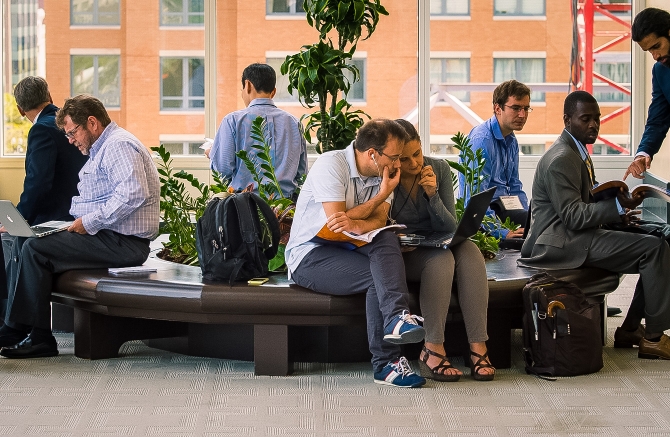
272 348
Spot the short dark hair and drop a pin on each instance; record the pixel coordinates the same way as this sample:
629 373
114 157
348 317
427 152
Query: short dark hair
79 108
648 21
509 88
570 104
375 133
412 133
261 76
31 92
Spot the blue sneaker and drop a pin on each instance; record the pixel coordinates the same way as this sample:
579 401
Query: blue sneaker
399 374
404 329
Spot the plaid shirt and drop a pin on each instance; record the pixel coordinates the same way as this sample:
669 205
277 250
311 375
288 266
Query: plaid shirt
118 187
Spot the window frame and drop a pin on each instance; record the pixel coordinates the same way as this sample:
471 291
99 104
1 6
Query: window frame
95 13
292 5
185 14
518 72
441 56
444 13
185 98
519 6
96 73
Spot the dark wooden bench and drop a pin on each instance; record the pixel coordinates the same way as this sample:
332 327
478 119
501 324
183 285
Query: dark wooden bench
273 325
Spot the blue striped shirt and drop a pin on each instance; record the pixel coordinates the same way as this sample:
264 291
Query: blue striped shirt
288 148
118 186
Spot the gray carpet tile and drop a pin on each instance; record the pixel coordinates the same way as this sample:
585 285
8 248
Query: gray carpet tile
149 392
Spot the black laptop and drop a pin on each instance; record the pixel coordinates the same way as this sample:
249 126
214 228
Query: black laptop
467 227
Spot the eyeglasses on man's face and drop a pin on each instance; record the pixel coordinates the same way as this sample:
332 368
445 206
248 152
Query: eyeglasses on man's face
70 135
517 108
393 158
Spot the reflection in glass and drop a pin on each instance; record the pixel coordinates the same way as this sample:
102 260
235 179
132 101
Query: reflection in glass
619 72
519 7
182 83
182 12
98 75
451 70
94 12
284 7
449 7
525 70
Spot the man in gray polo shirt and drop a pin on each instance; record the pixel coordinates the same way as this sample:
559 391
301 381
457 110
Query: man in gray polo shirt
351 190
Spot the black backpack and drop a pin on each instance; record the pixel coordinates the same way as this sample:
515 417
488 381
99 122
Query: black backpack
235 238
561 329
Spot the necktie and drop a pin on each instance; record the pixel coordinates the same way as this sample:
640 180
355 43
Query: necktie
590 169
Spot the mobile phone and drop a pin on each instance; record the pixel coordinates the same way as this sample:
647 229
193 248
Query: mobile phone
257 281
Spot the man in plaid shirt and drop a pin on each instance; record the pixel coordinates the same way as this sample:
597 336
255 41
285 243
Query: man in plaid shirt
116 215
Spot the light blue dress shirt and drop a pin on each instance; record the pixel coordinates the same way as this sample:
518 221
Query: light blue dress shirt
288 147
118 186
501 169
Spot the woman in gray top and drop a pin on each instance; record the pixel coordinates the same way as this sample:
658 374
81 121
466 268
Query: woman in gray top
424 201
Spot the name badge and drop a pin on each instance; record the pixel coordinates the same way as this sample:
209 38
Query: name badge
511 202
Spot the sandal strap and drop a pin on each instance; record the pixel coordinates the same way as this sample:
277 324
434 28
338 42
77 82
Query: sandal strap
439 369
482 362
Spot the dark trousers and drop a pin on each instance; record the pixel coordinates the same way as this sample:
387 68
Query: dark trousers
518 216
376 269
33 262
625 252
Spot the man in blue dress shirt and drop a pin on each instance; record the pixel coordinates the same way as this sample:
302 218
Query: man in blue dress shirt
651 31
495 137
284 132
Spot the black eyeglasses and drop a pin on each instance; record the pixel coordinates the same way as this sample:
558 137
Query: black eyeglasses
517 108
70 135
393 158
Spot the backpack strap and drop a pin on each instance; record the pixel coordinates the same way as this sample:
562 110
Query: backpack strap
273 223
247 230
541 372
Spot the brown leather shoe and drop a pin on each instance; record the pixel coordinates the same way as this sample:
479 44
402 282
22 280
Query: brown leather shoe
628 339
655 350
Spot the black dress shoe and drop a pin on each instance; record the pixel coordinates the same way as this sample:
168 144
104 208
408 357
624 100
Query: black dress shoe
28 349
613 311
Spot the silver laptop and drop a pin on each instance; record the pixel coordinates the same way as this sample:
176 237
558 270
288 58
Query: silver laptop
467 227
17 226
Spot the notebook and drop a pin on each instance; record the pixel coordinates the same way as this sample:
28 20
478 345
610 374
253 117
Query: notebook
467 227
17 226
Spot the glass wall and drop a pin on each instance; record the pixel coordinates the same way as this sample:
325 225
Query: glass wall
146 61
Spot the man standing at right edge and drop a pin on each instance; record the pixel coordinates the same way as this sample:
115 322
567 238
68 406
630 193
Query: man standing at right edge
651 31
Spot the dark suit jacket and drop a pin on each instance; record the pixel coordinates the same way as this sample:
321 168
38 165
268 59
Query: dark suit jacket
564 216
658 119
52 171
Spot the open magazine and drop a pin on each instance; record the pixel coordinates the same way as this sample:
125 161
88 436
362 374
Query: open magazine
348 240
610 189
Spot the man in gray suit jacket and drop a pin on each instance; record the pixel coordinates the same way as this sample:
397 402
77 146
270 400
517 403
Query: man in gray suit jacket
565 230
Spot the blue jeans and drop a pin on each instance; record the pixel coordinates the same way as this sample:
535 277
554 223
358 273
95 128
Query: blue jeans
376 269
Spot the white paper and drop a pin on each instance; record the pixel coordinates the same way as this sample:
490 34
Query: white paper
511 202
207 144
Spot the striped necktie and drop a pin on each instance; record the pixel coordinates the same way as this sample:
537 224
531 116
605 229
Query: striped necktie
590 169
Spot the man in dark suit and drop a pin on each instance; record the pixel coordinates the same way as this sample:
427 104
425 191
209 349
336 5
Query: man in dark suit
52 163
565 230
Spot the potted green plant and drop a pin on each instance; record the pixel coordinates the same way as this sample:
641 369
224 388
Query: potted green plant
180 210
471 166
318 72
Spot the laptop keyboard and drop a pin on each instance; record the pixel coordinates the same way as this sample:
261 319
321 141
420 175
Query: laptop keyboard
41 229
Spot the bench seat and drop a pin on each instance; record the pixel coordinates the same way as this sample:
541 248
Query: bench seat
274 324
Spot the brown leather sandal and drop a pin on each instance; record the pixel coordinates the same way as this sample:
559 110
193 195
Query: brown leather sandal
437 372
482 362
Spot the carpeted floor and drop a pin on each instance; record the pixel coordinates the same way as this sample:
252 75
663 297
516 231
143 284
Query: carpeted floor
149 392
